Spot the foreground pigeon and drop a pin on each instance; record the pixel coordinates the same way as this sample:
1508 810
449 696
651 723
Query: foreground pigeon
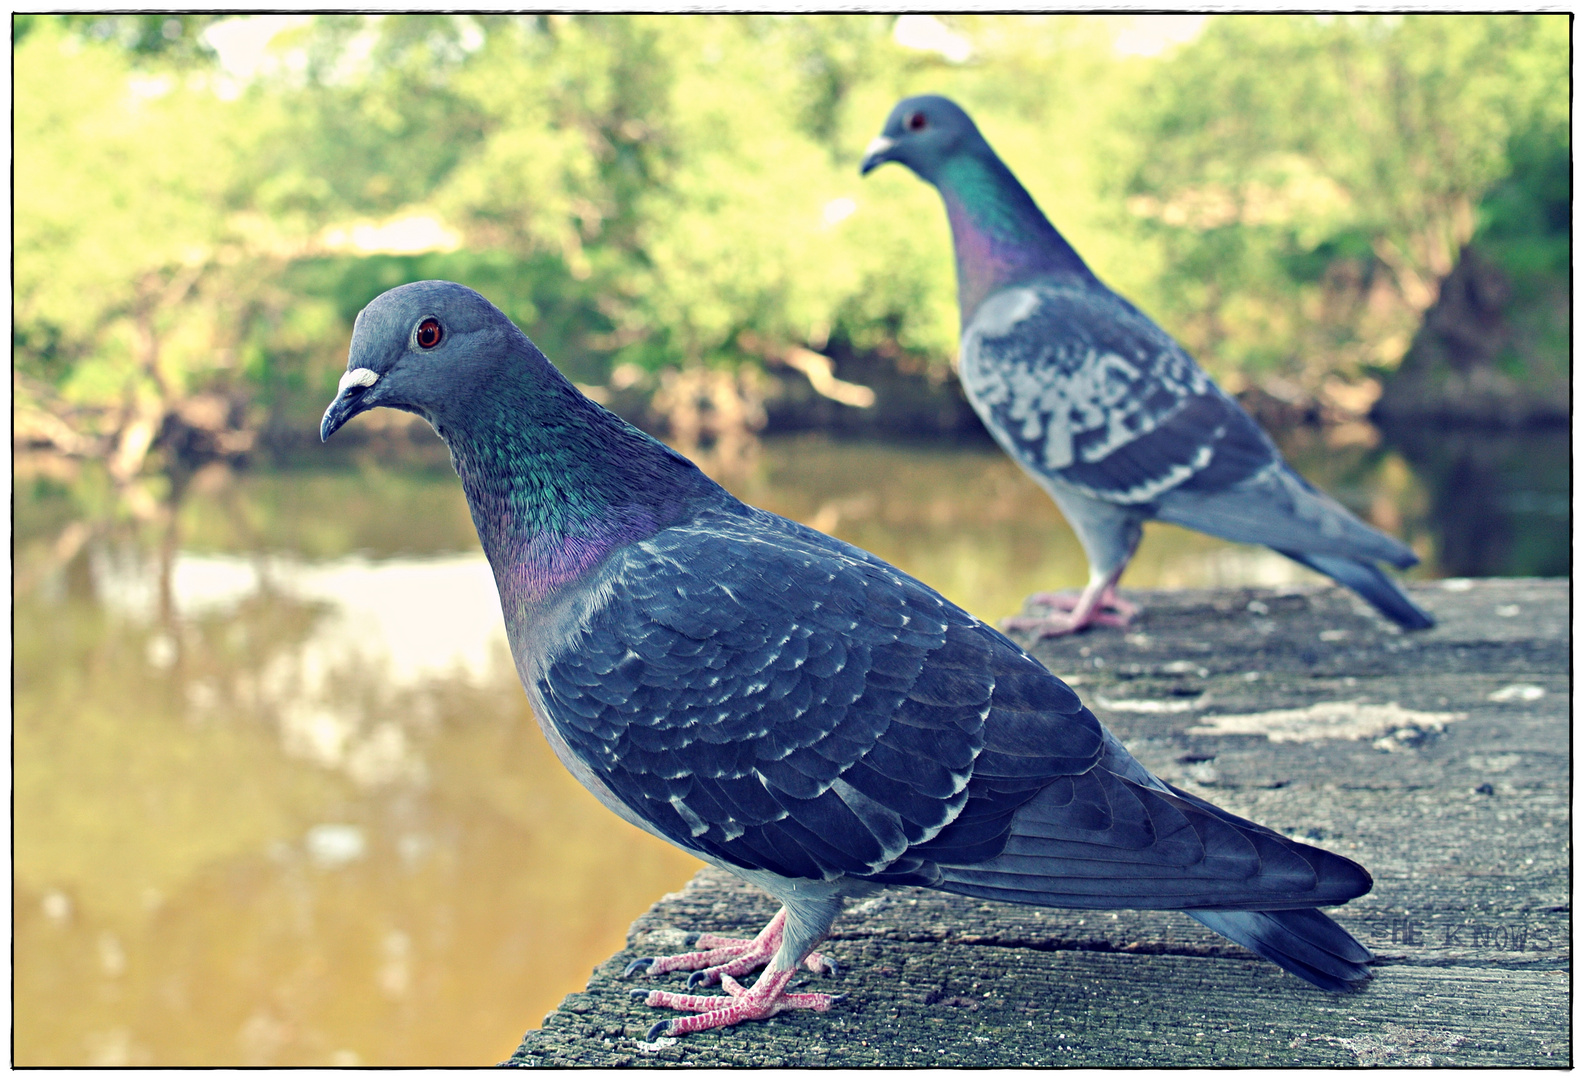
1101 407
789 707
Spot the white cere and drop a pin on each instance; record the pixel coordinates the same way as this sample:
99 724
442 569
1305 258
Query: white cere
357 377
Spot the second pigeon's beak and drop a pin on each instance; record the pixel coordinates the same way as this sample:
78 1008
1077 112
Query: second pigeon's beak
351 399
876 153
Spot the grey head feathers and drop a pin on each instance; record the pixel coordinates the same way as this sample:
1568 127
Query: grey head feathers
427 348
921 133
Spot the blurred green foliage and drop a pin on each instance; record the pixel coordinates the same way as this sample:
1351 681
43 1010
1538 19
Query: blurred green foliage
1313 179
1284 192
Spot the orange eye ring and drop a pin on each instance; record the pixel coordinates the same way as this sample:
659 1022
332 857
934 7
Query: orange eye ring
916 122
428 334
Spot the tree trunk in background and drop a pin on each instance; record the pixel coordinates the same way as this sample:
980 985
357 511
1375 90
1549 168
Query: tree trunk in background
1489 354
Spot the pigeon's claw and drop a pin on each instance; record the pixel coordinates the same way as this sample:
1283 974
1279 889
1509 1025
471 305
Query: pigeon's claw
720 959
764 999
719 956
1097 605
636 965
1110 601
1047 626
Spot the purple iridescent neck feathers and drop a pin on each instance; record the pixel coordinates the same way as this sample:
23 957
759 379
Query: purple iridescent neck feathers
555 483
998 232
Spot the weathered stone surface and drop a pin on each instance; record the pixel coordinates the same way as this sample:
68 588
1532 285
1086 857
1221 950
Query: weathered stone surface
1444 770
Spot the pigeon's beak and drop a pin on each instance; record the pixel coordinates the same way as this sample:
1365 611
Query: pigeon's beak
351 399
876 153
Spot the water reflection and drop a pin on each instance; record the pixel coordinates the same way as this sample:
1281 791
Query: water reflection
294 813
1500 502
278 797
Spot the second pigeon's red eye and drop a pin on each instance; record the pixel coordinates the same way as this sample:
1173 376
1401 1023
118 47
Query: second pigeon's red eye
429 333
916 122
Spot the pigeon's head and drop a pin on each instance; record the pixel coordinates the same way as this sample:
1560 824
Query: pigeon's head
424 348
921 133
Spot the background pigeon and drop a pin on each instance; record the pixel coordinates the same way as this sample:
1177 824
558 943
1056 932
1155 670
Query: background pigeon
1099 404
789 707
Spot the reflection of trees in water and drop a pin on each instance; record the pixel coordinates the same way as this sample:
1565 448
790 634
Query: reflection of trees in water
258 655
1491 503
458 928
1499 500
123 794
173 768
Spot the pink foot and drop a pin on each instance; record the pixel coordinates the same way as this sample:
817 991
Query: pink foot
1089 608
1045 626
767 997
1066 601
719 957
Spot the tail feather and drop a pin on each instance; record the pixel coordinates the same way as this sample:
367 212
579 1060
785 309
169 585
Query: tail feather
1370 582
1107 841
1305 942
1280 509
1118 837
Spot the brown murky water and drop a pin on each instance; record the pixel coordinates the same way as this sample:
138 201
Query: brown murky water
278 796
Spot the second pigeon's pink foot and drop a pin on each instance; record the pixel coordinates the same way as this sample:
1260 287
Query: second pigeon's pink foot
764 999
1110 601
720 957
1046 626
1098 605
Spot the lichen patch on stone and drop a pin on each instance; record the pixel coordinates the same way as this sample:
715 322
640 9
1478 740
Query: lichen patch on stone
1390 724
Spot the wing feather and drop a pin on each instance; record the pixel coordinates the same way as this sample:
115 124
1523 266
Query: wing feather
1084 390
862 725
834 728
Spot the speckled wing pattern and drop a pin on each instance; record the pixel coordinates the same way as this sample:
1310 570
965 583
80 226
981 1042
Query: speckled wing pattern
769 696
1083 389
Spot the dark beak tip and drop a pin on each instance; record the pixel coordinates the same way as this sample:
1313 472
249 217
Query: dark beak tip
335 416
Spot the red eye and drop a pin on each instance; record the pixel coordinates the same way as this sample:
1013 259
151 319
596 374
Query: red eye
916 122
429 333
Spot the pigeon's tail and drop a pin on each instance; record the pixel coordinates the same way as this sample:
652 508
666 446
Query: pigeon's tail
1370 582
1104 840
1304 941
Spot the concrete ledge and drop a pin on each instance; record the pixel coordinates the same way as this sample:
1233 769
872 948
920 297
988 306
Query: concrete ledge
1438 759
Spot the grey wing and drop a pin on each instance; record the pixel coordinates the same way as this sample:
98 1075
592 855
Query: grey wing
762 698
1089 394
756 694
